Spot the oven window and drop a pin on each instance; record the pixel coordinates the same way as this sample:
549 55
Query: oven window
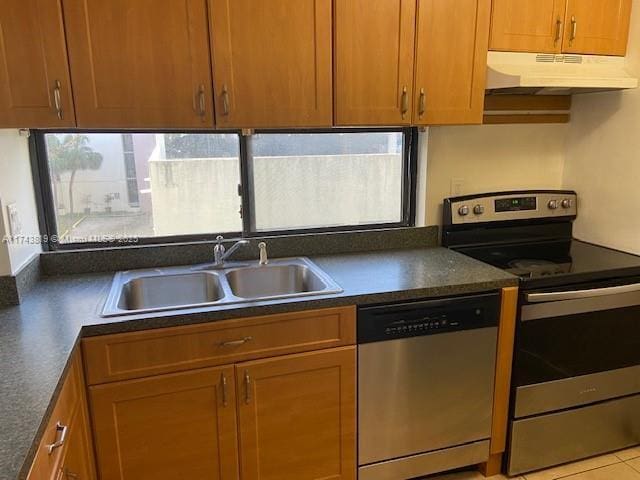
572 345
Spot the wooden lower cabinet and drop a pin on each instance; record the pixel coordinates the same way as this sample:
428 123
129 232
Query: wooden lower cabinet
66 449
297 416
78 461
167 427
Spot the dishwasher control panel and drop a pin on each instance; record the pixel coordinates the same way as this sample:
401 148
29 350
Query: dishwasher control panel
429 317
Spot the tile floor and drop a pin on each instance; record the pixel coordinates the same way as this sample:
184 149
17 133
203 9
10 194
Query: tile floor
622 465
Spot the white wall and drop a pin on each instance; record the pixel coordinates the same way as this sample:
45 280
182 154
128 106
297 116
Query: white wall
16 185
492 158
603 159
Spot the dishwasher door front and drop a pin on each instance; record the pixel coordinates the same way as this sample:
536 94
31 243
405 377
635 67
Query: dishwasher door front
424 393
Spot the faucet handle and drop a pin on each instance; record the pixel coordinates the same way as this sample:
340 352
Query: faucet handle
219 239
263 253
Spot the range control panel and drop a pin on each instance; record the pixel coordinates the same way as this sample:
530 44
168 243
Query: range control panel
508 206
517 204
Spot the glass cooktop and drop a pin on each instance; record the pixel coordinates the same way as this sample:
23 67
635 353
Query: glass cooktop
556 262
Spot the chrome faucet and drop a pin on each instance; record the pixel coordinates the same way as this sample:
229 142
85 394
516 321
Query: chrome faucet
220 254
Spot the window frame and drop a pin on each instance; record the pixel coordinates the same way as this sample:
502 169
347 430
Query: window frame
46 209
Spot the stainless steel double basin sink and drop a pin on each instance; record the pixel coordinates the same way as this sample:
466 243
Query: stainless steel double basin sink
172 288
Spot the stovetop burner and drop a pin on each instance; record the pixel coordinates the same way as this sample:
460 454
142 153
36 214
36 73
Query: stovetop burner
531 268
527 263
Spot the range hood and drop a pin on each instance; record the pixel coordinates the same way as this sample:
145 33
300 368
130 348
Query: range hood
555 74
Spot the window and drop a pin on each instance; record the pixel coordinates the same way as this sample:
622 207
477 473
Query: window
101 188
332 179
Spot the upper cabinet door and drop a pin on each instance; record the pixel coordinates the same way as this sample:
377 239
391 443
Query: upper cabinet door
374 52
598 27
297 416
527 25
140 63
451 62
272 62
35 90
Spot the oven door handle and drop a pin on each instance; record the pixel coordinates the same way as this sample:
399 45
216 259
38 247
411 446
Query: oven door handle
576 294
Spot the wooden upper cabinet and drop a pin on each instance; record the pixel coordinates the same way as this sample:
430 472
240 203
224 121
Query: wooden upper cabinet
167 427
374 52
451 62
35 90
272 62
527 25
140 63
598 27
297 416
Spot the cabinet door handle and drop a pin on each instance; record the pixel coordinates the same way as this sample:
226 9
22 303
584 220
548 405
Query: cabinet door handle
236 343
225 100
404 102
247 388
70 475
57 99
422 103
202 105
223 381
61 436
558 31
574 30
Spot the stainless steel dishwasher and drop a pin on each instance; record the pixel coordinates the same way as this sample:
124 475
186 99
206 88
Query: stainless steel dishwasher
425 385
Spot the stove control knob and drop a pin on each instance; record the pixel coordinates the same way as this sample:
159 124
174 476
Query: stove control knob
478 209
567 203
463 211
553 204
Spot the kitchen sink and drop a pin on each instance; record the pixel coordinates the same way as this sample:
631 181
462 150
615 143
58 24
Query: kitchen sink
161 291
173 288
274 280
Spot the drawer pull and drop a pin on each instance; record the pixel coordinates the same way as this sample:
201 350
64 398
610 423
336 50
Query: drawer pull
224 390
236 343
404 102
202 102
70 475
61 436
57 100
225 101
247 386
558 36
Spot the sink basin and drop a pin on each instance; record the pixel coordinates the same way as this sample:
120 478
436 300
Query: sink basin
170 291
274 281
174 288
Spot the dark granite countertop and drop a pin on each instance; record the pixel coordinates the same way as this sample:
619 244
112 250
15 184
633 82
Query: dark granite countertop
38 336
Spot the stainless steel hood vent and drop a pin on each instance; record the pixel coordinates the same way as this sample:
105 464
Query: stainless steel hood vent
550 74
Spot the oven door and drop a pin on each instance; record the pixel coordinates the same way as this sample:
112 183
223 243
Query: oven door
576 347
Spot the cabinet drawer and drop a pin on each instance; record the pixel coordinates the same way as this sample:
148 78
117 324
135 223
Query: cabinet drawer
133 355
45 465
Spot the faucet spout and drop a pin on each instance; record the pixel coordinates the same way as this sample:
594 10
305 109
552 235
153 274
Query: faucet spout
220 253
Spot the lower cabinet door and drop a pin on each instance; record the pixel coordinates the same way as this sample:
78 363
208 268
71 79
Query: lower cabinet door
177 426
297 416
78 461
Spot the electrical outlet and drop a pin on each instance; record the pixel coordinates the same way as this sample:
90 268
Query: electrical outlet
457 186
15 224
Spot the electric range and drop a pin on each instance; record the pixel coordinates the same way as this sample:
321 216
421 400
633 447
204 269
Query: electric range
576 372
